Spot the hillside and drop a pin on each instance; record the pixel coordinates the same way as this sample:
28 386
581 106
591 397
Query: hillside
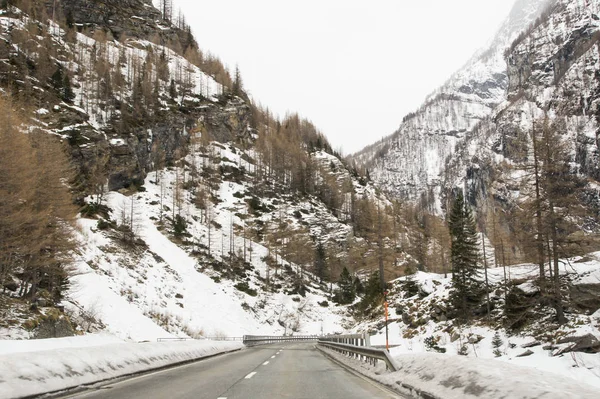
197 212
518 331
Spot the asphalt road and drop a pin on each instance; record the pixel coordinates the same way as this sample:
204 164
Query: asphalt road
290 371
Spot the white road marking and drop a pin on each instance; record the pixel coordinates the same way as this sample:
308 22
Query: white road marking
252 374
265 363
273 357
222 397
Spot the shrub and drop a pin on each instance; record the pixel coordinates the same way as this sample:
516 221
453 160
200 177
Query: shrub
102 224
497 344
179 226
244 287
431 343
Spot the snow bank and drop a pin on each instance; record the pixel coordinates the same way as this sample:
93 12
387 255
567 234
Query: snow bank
461 377
32 373
406 340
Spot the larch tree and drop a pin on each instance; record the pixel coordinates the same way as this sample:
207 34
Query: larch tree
36 209
562 188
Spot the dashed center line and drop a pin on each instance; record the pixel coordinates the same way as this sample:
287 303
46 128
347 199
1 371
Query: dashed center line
265 363
273 357
252 374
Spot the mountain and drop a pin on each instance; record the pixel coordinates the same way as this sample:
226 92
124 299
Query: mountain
197 213
410 163
144 195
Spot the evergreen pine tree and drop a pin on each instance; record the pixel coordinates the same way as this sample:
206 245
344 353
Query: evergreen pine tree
70 19
346 293
57 80
67 93
373 294
61 82
237 82
359 289
173 90
497 344
464 255
320 263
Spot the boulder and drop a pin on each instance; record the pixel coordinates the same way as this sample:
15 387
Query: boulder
531 344
474 339
587 343
528 352
53 325
454 336
585 297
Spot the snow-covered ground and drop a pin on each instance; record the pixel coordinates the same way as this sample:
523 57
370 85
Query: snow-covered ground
408 343
164 290
79 361
459 377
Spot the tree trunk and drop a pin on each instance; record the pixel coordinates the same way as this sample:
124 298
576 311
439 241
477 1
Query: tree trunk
557 298
487 285
538 212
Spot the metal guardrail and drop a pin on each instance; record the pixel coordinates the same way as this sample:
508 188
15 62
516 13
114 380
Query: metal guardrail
251 340
363 353
357 346
349 339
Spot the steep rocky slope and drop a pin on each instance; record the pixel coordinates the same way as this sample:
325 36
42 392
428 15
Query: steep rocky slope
553 73
409 163
517 332
130 97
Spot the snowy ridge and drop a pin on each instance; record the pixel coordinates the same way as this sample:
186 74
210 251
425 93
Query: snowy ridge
552 73
125 57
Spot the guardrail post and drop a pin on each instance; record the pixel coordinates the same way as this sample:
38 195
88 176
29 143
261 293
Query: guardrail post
367 339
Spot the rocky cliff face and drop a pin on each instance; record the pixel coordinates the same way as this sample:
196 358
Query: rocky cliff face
554 72
556 69
410 163
134 18
134 101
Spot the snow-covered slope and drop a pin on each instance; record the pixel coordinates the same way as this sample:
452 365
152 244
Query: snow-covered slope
418 323
410 162
163 287
145 119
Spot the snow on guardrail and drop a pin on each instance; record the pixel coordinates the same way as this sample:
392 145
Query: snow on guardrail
33 373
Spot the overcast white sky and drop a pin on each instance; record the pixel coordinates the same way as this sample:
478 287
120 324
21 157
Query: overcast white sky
354 68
